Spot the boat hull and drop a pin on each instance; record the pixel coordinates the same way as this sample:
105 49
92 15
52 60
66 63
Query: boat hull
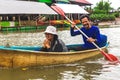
25 58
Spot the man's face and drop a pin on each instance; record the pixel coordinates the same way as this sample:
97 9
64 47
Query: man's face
86 22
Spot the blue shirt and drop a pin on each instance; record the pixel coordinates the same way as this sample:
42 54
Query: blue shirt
91 32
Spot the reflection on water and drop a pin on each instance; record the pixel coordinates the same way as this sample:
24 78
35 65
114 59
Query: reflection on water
74 71
89 69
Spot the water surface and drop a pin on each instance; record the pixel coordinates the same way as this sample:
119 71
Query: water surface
89 69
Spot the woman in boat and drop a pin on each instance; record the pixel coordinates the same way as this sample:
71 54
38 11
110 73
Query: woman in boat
91 31
52 43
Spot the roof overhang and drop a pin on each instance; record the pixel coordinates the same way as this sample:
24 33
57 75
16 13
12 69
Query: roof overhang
72 9
24 7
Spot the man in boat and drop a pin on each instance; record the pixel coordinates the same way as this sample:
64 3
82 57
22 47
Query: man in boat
52 43
91 31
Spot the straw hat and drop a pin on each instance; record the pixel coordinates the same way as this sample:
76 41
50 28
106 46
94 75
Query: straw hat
51 30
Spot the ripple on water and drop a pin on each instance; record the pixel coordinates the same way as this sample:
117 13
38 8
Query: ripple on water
109 72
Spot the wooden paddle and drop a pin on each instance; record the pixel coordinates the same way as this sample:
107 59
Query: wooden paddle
109 57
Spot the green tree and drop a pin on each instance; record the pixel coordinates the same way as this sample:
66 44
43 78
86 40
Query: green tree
107 7
102 11
103 6
99 6
118 8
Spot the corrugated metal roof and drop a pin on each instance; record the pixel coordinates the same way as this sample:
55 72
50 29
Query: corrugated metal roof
24 7
72 8
81 2
67 1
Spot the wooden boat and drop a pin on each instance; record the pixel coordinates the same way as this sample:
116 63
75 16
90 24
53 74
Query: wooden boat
22 56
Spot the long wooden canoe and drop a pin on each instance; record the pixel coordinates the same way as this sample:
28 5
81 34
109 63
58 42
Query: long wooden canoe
21 57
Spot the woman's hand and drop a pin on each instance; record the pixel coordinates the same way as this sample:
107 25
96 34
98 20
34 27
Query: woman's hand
46 43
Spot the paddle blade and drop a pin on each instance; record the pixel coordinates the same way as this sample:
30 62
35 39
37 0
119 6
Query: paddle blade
114 58
109 57
58 10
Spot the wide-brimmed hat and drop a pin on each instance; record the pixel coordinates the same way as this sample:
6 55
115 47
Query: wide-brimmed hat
51 30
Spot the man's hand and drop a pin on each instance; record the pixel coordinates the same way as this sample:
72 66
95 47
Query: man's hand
90 39
73 25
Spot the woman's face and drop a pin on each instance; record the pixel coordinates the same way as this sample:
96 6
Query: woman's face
49 36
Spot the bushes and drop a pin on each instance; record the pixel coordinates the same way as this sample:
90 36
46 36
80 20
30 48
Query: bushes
116 14
99 12
102 17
